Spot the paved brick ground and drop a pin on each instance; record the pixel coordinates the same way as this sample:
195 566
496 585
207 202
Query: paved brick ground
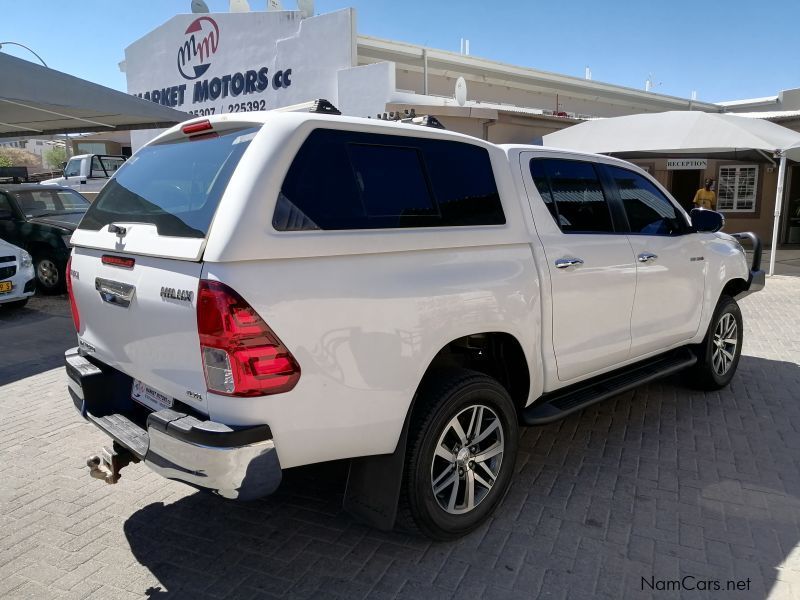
663 483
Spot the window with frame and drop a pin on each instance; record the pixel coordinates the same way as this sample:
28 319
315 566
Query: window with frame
355 180
737 186
35 203
73 168
573 194
648 210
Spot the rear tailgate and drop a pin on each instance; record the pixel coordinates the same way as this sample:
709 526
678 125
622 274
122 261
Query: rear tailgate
152 336
138 308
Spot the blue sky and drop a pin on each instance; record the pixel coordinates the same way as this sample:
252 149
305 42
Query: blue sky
724 50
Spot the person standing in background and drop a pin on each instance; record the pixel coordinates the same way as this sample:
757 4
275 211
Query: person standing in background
705 196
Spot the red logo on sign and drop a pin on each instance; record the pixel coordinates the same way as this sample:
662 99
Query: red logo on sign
200 43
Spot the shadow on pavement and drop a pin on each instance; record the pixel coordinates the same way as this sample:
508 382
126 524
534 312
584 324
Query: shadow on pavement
34 338
663 483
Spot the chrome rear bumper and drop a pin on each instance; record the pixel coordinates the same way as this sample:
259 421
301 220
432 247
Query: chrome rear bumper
236 463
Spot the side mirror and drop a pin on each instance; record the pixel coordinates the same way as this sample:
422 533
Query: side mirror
707 221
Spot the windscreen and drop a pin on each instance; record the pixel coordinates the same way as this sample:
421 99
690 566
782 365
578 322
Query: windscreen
175 186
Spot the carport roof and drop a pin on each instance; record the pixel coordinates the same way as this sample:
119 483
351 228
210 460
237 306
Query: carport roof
35 100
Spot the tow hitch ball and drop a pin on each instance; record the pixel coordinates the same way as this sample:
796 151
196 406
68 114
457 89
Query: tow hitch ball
107 464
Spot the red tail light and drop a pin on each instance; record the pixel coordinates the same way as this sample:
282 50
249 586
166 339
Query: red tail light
73 306
118 261
242 356
196 127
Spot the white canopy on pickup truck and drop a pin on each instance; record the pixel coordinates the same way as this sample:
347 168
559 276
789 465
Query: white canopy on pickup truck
35 100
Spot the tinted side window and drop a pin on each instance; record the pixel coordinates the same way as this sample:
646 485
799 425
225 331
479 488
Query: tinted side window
539 174
5 204
573 193
353 180
383 194
649 211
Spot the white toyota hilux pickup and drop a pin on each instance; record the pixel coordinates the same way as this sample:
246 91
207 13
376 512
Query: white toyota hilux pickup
260 291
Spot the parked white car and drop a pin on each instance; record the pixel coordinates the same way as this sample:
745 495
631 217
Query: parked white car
259 291
88 173
17 278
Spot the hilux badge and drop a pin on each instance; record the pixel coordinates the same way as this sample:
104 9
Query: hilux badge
173 294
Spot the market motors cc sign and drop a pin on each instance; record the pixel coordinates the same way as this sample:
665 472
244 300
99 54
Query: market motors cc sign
213 63
199 46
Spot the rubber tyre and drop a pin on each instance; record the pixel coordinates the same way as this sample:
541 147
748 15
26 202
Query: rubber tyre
703 376
441 397
41 284
16 305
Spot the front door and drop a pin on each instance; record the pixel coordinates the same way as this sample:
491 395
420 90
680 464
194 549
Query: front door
670 265
591 267
9 222
685 184
792 235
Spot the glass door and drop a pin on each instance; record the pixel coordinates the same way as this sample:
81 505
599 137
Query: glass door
792 232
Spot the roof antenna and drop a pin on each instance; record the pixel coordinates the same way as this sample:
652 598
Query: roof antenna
649 83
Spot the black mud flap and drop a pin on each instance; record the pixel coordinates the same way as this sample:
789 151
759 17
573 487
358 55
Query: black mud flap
373 485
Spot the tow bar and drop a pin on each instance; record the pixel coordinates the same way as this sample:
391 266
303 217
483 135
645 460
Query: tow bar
107 464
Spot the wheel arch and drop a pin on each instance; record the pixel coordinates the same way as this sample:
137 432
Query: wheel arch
494 353
497 354
732 288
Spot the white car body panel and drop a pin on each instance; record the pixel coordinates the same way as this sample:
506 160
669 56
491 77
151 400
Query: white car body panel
669 290
155 338
364 312
22 274
364 329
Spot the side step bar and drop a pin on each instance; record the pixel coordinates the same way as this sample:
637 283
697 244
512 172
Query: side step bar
560 403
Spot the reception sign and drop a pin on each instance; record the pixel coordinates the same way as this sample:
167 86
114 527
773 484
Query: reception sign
687 164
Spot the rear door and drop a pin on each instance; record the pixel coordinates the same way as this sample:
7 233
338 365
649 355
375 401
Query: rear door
591 267
136 261
670 264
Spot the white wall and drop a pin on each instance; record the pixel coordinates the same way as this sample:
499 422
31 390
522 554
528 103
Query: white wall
256 48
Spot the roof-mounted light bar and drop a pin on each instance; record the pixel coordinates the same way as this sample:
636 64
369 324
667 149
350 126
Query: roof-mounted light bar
410 117
323 106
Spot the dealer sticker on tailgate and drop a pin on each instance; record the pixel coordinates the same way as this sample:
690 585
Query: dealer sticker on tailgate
144 394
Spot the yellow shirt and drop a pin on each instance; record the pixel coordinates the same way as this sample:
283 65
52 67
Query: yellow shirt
705 199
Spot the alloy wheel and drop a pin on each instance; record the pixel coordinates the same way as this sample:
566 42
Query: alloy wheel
467 459
726 339
47 273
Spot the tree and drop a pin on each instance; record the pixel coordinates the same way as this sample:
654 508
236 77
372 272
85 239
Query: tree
5 161
54 156
20 158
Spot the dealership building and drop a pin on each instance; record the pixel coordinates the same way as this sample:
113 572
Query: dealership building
233 62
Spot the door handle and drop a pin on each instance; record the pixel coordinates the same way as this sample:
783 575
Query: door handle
564 263
647 257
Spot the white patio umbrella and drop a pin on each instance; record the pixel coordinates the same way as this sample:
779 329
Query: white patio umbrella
686 132
676 132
